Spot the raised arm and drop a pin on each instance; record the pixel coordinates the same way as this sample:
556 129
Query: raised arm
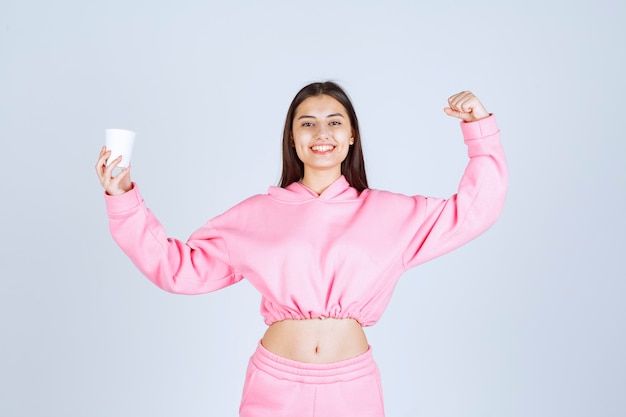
449 223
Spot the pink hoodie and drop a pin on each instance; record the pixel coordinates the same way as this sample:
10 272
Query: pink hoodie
337 255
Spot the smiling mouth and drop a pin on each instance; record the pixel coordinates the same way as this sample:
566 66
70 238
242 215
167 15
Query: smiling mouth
322 148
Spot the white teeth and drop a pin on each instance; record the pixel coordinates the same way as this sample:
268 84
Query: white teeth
322 148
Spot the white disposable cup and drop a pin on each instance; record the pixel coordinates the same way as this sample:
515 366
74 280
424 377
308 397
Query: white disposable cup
119 142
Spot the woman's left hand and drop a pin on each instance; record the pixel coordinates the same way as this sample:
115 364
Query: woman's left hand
466 106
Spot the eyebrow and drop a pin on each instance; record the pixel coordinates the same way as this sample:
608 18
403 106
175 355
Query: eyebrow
305 116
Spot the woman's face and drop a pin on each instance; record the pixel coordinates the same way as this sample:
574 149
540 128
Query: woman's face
322 134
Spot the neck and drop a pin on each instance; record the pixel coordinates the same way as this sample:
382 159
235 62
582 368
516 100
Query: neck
319 181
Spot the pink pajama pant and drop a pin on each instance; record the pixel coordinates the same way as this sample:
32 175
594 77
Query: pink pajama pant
280 387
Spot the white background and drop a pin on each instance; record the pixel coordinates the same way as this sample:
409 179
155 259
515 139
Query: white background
527 320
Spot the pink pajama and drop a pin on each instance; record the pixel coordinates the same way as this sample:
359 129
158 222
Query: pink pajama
280 387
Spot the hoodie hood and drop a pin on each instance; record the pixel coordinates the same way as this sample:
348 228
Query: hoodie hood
296 192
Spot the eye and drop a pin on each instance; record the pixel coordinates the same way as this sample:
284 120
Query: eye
307 124
335 123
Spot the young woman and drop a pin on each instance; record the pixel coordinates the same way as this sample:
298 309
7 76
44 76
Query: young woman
324 250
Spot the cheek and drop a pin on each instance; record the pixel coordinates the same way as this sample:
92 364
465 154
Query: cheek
298 153
344 153
301 140
298 142
299 148
297 137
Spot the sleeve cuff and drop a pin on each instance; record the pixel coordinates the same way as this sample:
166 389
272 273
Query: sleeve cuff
123 202
479 129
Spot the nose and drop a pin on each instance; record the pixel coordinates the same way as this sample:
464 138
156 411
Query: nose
322 133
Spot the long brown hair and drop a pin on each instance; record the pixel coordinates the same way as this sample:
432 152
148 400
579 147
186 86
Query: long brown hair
353 167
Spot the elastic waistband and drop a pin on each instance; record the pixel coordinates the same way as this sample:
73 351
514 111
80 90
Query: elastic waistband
313 373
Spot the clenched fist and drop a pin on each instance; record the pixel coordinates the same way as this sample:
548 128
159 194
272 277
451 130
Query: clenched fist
466 106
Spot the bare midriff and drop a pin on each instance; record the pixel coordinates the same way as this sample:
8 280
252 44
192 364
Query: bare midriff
316 340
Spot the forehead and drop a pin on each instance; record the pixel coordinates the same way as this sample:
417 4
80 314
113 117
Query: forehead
320 106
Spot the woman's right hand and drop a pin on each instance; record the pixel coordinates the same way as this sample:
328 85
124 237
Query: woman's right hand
113 185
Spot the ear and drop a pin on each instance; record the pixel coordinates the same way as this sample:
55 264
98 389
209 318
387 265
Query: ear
351 141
